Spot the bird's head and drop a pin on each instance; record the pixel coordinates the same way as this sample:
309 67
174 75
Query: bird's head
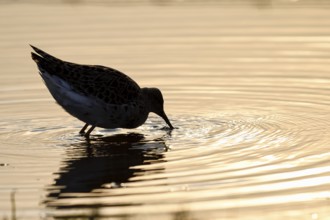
155 101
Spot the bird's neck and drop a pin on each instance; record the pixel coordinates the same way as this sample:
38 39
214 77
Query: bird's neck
147 99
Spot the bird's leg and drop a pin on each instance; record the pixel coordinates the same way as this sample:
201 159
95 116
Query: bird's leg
89 131
82 131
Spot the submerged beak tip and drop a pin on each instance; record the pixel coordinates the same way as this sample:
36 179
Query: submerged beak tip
170 125
163 115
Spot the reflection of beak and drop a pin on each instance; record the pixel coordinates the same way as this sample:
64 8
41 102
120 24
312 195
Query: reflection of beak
163 115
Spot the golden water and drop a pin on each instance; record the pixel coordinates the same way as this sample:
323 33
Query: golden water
246 83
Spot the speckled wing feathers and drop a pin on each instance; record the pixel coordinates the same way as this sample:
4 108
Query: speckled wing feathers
105 83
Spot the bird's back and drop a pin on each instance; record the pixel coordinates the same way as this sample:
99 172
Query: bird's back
109 85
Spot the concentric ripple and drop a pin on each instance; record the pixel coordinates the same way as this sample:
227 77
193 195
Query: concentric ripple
230 161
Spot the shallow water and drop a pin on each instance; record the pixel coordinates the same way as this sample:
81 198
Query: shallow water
247 84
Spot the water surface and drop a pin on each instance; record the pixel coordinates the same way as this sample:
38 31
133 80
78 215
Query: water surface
246 84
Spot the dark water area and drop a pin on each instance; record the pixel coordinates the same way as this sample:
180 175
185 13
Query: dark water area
247 84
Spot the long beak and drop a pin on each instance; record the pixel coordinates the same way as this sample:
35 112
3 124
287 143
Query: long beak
163 115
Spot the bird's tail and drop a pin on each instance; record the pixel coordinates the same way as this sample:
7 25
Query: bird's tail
46 62
41 57
41 54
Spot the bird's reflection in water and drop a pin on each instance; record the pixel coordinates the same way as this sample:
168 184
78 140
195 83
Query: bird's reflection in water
105 163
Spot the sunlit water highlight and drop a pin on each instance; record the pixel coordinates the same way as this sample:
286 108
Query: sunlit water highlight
248 90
